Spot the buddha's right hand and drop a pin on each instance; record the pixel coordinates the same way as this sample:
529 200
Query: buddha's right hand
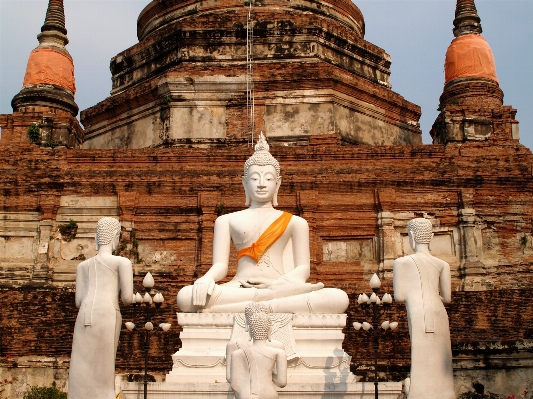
201 288
282 290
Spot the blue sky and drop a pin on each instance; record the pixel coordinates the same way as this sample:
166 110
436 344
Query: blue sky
416 33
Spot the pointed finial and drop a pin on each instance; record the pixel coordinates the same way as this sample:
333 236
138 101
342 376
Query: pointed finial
466 20
55 17
262 144
49 79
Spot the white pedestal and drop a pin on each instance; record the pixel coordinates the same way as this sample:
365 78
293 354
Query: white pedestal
318 366
202 356
317 356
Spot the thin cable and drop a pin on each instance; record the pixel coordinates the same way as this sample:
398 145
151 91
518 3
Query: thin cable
250 95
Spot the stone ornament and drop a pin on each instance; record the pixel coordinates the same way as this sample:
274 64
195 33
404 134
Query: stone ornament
255 369
273 254
423 283
99 282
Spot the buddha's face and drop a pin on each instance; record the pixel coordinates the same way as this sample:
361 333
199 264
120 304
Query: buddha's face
262 183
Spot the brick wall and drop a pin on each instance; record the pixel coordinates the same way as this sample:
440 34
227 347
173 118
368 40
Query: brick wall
39 321
173 196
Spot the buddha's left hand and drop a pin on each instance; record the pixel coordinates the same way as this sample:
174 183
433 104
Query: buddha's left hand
257 282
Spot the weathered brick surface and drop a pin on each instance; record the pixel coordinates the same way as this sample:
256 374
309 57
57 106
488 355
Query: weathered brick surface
305 54
172 197
340 188
475 318
40 322
269 77
156 19
63 127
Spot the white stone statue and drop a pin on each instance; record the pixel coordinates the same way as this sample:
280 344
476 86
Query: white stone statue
273 254
423 282
254 370
99 280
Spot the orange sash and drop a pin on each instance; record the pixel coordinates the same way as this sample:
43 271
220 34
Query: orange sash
269 237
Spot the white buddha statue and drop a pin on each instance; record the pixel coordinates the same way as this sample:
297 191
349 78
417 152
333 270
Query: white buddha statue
99 281
423 282
273 254
255 369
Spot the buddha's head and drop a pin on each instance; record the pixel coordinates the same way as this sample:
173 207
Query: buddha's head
420 231
261 179
255 307
107 232
260 325
258 322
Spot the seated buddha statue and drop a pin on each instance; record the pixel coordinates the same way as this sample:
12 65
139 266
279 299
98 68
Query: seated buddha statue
273 254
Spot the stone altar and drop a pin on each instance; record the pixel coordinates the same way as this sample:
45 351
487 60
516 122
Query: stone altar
317 368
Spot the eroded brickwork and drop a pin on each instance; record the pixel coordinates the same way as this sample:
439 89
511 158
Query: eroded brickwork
357 200
40 320
313 73
56 127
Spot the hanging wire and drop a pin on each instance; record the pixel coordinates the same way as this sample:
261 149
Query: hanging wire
250 96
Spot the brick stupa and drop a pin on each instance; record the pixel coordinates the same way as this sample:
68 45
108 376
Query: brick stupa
47 94
184 83
474 184
471 103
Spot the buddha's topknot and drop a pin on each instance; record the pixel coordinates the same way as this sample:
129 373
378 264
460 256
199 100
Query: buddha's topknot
255 307
261 157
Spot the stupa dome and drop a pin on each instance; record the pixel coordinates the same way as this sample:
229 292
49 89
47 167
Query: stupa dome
227 70
49 66
469 56
49 79
50 62
160 15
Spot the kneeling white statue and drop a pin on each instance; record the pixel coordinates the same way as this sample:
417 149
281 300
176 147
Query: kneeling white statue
423 282
254 370
98 283
273 254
